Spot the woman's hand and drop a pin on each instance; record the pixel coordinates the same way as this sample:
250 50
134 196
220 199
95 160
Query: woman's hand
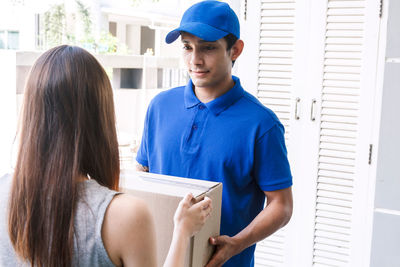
190 216
188 219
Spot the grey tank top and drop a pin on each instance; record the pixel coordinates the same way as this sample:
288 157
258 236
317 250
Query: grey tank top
88 245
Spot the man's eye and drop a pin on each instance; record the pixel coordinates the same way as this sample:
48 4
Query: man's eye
209 47
185 47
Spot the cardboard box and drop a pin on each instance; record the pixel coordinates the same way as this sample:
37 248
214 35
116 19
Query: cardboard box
163 194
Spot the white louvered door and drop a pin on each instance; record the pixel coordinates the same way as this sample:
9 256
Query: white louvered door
275 90
347 92
316 70
283 46
338 132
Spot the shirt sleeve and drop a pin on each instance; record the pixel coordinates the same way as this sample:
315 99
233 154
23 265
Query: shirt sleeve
271 168
142 154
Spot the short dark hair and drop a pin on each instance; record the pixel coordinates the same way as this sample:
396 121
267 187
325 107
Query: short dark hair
230 41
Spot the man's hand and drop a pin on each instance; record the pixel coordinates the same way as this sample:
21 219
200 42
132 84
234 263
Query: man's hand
226 248
275 215
141 168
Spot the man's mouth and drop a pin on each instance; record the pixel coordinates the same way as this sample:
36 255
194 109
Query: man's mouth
199 72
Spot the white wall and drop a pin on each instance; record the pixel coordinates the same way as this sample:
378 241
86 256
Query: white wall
386 233
165 49
8 108
133 38
246 67
130 109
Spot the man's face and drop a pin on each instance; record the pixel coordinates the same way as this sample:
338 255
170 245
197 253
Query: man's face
209 63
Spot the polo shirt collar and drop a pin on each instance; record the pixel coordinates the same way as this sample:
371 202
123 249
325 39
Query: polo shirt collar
219 104
190 98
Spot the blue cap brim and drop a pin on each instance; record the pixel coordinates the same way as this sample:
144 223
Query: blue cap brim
201 30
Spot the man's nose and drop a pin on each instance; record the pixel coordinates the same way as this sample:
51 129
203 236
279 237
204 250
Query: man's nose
196 58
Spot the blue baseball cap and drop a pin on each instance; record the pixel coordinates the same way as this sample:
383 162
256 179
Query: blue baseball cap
208 20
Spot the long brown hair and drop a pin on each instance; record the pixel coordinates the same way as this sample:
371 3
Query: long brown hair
68 131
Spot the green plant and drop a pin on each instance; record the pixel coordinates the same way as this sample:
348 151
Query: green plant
84 14
56 31
55 26
108 44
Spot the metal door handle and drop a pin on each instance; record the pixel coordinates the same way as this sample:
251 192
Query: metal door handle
296 110
313 102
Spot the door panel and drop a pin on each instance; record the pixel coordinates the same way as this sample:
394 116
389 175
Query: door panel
316 70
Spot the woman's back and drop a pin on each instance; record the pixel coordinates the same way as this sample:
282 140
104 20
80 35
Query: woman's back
92 204
88 245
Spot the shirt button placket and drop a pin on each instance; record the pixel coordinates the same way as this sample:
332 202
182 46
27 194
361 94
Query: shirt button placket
195 127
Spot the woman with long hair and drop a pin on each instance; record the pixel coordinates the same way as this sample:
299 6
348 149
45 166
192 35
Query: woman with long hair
61 206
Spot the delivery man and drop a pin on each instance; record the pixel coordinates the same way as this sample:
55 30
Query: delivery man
212 129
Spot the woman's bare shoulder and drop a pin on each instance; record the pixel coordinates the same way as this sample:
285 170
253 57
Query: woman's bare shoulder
128 230
128 207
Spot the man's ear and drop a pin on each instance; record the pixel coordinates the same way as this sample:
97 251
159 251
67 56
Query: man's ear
237 49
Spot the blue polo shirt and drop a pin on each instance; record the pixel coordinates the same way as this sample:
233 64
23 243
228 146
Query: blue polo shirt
233 139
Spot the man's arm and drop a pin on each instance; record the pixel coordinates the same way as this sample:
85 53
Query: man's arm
141 168
275 215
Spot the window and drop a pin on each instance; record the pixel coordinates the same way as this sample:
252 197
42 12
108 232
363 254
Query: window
147 39
2 40
112 28
13 40
9 39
